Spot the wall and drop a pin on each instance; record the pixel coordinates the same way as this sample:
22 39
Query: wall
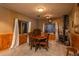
7 19
74 18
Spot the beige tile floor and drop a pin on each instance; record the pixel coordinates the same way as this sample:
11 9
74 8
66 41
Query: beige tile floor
55 49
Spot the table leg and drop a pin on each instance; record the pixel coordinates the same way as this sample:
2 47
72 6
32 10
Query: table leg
36 47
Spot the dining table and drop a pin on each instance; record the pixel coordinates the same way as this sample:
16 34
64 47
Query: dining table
39 39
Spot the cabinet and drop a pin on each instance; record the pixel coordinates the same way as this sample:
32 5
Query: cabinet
51 37
22 39
75 40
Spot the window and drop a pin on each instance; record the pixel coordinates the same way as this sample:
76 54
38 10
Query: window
50 28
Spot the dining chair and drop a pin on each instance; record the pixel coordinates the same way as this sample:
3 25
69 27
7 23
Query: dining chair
44 43
74 45
33 42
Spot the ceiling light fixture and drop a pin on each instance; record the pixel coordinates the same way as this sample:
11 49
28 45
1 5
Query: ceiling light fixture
40 9
48 16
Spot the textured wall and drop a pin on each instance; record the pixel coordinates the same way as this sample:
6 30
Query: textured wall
7 19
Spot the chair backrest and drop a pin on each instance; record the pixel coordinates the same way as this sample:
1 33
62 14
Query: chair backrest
36 32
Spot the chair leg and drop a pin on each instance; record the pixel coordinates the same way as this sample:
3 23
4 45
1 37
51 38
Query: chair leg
67 52
31 47
75 53
36 47
72 50
46 49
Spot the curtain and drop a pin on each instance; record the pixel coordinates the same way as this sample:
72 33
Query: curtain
15 39
29 30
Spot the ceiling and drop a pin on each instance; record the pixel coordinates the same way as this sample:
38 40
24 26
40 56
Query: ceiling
29 9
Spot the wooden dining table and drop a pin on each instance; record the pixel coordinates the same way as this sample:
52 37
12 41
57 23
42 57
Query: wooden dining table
39 39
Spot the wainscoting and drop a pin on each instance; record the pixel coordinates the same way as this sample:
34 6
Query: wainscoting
6 40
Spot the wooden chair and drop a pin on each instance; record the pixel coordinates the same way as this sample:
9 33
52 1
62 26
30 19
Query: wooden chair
44 43
74 45
71 49
33 42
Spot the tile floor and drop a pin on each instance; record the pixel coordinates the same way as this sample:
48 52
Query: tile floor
55 49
